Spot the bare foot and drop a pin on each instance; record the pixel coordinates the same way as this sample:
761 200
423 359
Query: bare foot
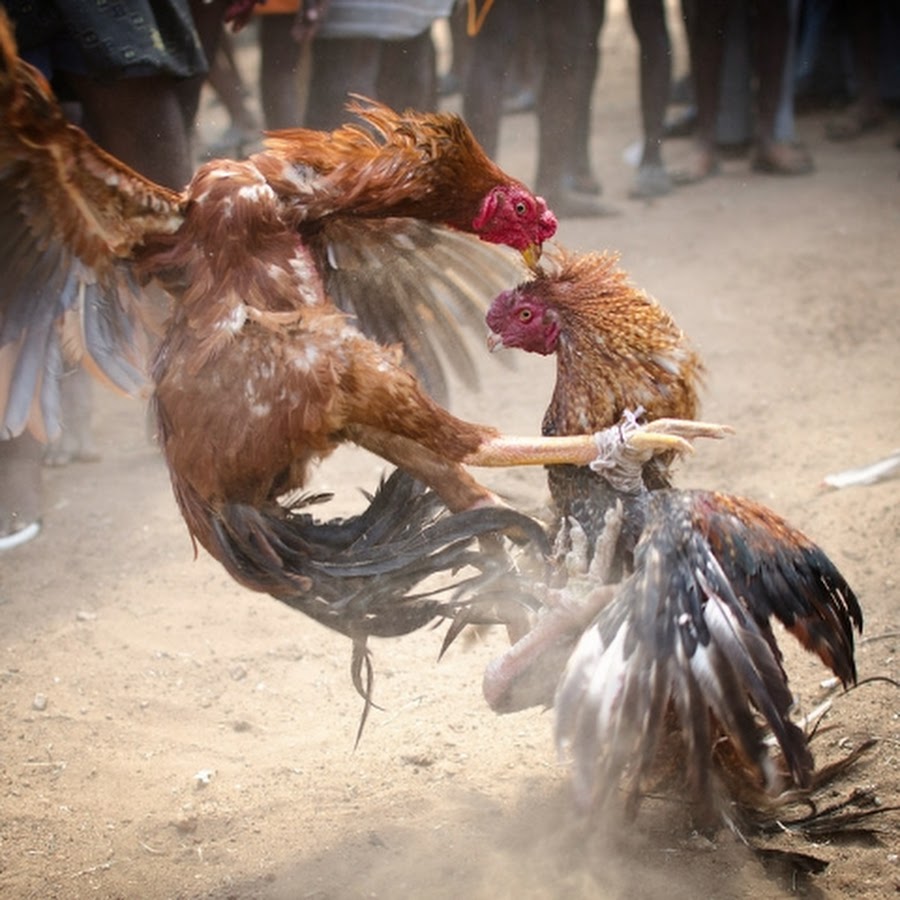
855 121
703 164
782 158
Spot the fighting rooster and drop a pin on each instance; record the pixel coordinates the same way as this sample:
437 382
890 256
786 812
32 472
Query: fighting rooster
259 369
661 609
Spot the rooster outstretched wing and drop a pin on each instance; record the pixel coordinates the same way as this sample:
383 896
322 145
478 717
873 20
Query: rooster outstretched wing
72 216
82 277
416 284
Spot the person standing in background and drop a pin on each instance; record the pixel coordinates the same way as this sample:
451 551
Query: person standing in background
380 50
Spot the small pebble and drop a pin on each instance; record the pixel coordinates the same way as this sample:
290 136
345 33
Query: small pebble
204 777
39 703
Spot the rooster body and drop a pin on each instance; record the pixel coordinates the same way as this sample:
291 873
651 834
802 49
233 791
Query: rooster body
280 306
663 623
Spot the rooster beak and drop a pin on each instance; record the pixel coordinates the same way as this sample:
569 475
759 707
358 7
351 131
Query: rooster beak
494 341
532 254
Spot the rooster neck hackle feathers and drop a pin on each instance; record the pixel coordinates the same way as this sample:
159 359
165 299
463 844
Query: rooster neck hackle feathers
396 164
598 307
618 348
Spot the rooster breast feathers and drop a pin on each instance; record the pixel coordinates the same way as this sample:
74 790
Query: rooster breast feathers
691 627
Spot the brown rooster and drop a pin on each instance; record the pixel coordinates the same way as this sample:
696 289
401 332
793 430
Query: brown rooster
667 595
260 370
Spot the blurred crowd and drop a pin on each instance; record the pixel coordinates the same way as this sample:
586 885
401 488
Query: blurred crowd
751 63
132 76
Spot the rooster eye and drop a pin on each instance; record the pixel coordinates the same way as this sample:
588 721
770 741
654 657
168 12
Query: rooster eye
521 208
525 315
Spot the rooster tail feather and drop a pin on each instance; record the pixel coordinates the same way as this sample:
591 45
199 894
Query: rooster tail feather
369 575
779 572
679 646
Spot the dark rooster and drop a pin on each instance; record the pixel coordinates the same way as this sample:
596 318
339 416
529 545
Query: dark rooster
668 595
259 370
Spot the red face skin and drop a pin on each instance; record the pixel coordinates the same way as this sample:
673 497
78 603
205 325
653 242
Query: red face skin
517 320
510 214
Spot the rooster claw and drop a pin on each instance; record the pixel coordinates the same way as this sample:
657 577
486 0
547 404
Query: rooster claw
623 449
655 442
664 435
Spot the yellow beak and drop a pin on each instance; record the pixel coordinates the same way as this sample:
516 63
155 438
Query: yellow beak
532 254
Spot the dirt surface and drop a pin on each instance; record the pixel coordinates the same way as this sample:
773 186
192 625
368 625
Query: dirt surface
167 734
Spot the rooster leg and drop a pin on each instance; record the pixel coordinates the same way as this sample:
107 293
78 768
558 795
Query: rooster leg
505 450
623 449
603 562
527 674
455 486
661 436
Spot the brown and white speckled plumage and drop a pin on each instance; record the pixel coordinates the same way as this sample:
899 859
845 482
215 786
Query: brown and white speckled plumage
260 367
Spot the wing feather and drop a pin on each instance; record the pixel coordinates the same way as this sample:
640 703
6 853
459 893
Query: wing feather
778 571
424 286
689 631
71 215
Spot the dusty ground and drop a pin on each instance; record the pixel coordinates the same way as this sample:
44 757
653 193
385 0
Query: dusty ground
197 739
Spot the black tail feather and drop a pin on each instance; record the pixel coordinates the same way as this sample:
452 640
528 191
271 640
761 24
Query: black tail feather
366 575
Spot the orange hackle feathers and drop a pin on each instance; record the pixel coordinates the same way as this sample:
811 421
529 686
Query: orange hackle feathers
618 350
394 164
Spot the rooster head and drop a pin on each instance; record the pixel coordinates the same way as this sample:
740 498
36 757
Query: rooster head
510 214
520 318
